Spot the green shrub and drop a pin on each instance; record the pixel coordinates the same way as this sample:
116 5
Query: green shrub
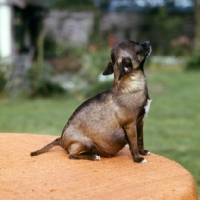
93 64
40 83
193 62
96 63
39 75
5 73
2 81
54 49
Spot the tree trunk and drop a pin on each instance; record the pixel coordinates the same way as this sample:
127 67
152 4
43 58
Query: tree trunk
197 24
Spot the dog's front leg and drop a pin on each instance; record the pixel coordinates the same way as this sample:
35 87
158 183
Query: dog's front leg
140 140
131 135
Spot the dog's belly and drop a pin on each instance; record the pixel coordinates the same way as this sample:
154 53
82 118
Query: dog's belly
110 146
107 151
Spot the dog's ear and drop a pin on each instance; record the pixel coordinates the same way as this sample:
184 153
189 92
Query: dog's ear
109 69
125 67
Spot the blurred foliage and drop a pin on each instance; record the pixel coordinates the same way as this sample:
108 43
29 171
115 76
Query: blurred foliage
75 5
39 76
2 81
55 49
162 26
96 37
40 83
93 64
162 29
193 62
6 70
96 63
50 47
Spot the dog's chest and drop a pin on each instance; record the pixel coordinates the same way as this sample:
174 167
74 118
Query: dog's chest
147 107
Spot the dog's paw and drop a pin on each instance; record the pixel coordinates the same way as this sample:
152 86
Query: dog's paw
144 152
144 161
140 160
97 158
147 152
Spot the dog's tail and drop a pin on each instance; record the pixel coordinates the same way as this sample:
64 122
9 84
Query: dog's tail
47 147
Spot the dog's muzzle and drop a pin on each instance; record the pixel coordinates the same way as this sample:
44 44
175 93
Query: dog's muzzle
147 47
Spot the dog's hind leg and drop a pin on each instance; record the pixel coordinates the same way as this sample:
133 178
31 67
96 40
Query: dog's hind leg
80 151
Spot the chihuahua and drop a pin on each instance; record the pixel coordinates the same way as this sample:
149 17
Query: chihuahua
105 123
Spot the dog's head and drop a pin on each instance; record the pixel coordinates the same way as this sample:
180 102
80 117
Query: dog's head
127 56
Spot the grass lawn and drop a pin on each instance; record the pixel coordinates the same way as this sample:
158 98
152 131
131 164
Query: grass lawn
39 116
171 130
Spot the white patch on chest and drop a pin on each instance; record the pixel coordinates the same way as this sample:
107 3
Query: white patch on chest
147 107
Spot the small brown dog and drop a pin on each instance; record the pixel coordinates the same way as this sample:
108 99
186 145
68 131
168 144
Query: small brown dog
104 124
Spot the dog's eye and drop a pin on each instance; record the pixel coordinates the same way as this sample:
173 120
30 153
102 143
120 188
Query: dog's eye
140 53
127 63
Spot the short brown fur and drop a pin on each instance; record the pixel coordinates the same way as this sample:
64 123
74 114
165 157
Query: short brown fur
104 124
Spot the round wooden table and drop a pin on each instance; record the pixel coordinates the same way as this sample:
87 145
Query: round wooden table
53 176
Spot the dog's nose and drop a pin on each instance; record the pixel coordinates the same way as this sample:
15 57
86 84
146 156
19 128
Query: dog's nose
148 42
146 45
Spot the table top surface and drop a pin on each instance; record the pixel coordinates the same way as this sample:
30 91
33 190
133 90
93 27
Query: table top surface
53 176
